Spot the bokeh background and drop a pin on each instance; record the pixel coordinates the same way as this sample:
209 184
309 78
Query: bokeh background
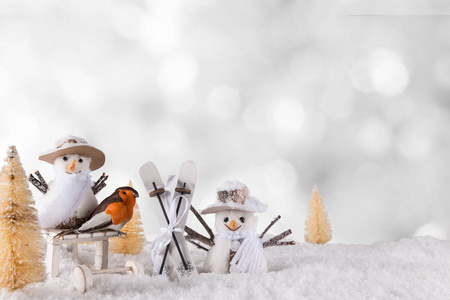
352 97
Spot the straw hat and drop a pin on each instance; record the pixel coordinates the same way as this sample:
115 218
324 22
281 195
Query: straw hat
74 145
234 195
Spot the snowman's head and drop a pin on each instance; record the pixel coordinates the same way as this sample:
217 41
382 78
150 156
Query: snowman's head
72 164
233 220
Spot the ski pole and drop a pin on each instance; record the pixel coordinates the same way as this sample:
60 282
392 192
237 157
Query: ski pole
182 192
173 235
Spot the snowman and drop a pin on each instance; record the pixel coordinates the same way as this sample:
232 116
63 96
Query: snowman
69 200
237 247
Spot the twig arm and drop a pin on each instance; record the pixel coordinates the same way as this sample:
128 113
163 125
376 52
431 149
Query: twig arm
202 221
99 184
285 243
198 245
270 225
41 179
273 241
38 182
194 235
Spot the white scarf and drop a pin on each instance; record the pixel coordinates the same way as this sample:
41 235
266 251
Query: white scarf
62 199
249 256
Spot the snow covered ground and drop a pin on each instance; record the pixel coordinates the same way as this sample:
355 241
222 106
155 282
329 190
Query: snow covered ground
415 268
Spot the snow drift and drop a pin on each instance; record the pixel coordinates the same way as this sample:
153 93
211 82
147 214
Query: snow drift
410 268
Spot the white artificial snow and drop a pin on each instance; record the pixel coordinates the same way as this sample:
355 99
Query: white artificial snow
232 185
11 152
63 142
254 205
251 205
417 268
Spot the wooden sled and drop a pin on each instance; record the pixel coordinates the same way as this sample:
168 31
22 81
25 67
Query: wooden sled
83 275
54 247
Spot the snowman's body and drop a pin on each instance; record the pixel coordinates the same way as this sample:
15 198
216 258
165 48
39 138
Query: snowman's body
69 195
233 227
87 204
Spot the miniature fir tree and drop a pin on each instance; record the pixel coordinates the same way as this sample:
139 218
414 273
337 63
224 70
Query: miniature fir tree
318 229
134 242
21 243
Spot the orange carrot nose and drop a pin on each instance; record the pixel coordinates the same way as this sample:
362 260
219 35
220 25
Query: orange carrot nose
71 167
233 224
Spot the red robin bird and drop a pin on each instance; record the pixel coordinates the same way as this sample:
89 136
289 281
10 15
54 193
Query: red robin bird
113 213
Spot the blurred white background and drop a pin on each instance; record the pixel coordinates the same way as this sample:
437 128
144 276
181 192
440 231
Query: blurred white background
281 95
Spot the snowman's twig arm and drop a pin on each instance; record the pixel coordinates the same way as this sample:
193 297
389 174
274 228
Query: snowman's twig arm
98 188
99 184
41 179
102 179
38 182
194 235
284 243
273 241
202 221
198 245
270 225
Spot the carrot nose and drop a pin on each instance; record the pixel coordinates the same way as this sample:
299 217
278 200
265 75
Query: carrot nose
71 167
233 224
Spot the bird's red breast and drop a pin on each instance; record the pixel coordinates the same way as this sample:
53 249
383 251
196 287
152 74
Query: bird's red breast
122 211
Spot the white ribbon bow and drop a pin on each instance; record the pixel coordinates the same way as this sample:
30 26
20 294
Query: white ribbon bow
165 237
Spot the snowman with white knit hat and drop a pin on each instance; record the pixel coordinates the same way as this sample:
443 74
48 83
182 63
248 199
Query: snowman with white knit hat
237 247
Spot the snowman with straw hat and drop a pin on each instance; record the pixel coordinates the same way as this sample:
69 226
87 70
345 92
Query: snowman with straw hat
237 248
68 199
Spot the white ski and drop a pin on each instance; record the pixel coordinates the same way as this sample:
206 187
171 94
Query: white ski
155 188
187 178
169 251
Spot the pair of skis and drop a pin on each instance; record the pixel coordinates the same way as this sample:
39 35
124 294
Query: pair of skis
169 251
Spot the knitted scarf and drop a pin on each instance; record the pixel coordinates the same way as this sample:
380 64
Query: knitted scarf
249 256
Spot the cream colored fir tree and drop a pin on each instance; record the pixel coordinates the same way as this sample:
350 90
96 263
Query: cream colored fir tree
21 243
134 242
318 229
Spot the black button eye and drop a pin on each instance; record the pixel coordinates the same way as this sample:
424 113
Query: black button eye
226 219
65 158
242 219
80 160
124 193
